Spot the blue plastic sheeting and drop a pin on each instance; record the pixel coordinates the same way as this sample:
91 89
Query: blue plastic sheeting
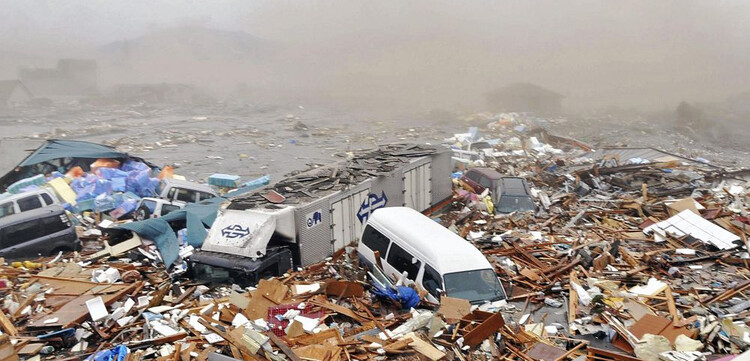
198 217
159 231
56 148
249 186
118 353
406 296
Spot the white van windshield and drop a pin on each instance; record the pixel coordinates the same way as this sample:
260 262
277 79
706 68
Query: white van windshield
475 286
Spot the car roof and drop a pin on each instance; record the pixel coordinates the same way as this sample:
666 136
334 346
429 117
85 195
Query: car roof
24 194
31 214
189 185
514 186
487 172
440 248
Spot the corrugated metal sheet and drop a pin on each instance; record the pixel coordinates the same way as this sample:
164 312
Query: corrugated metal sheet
689 223
653 155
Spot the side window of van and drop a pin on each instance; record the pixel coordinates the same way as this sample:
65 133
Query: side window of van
29 203
473 176
205 196
170 194
375 240
431 281
46 198
6 209
186 195
166 208
401 261
485 182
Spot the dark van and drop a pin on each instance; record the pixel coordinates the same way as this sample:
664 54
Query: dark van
42 231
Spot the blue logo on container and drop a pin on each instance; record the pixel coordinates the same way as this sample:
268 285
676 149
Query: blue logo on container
314 218
235 231
370 204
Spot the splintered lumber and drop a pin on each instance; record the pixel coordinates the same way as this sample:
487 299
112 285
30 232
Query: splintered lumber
670 304
7 325
283 347
484 330
425 348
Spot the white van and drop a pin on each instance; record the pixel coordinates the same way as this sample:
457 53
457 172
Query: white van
27 201
435 258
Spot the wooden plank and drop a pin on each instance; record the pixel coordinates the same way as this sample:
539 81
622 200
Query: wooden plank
7 325
399 345
671 305
425 348
572 304
283 346
484 330
30 349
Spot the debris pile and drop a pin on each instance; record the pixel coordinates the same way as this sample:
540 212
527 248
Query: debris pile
624 244
624 254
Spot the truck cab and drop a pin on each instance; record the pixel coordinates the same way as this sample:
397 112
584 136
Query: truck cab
245 246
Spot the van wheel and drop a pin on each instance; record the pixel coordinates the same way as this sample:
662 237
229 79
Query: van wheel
142 213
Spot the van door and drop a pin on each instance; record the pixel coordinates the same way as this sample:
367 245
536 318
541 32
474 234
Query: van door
56 235
398 261
373 240
432 283
17 236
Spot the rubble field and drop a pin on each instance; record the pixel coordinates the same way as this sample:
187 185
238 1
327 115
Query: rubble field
629 254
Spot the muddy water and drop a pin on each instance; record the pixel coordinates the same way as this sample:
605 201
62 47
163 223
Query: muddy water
249 141
253 140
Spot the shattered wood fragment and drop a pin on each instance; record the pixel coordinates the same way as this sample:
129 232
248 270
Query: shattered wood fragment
7 325
485 329
454 309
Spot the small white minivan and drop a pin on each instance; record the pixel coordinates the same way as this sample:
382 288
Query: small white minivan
26 201
433 257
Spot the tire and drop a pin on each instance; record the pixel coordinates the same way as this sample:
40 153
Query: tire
142 213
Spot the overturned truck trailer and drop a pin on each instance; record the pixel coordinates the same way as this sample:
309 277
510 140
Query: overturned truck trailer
308 216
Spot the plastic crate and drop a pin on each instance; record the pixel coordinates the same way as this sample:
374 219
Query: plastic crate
223 180
278 327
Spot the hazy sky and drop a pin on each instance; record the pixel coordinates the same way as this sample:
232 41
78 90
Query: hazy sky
639 52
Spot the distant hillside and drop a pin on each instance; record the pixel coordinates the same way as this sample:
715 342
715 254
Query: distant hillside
194 40
184 54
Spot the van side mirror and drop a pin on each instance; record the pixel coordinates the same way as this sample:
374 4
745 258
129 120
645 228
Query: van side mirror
414 260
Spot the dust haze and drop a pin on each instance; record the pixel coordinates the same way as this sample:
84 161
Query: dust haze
397 54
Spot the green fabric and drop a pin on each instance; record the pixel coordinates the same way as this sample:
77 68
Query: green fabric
198 217
159 231
56 148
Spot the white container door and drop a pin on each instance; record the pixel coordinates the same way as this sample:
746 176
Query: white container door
346 227
417 187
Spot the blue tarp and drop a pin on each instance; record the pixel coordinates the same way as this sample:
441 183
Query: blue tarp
118 353
406 296
56 148
57 155
198 217
159 231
